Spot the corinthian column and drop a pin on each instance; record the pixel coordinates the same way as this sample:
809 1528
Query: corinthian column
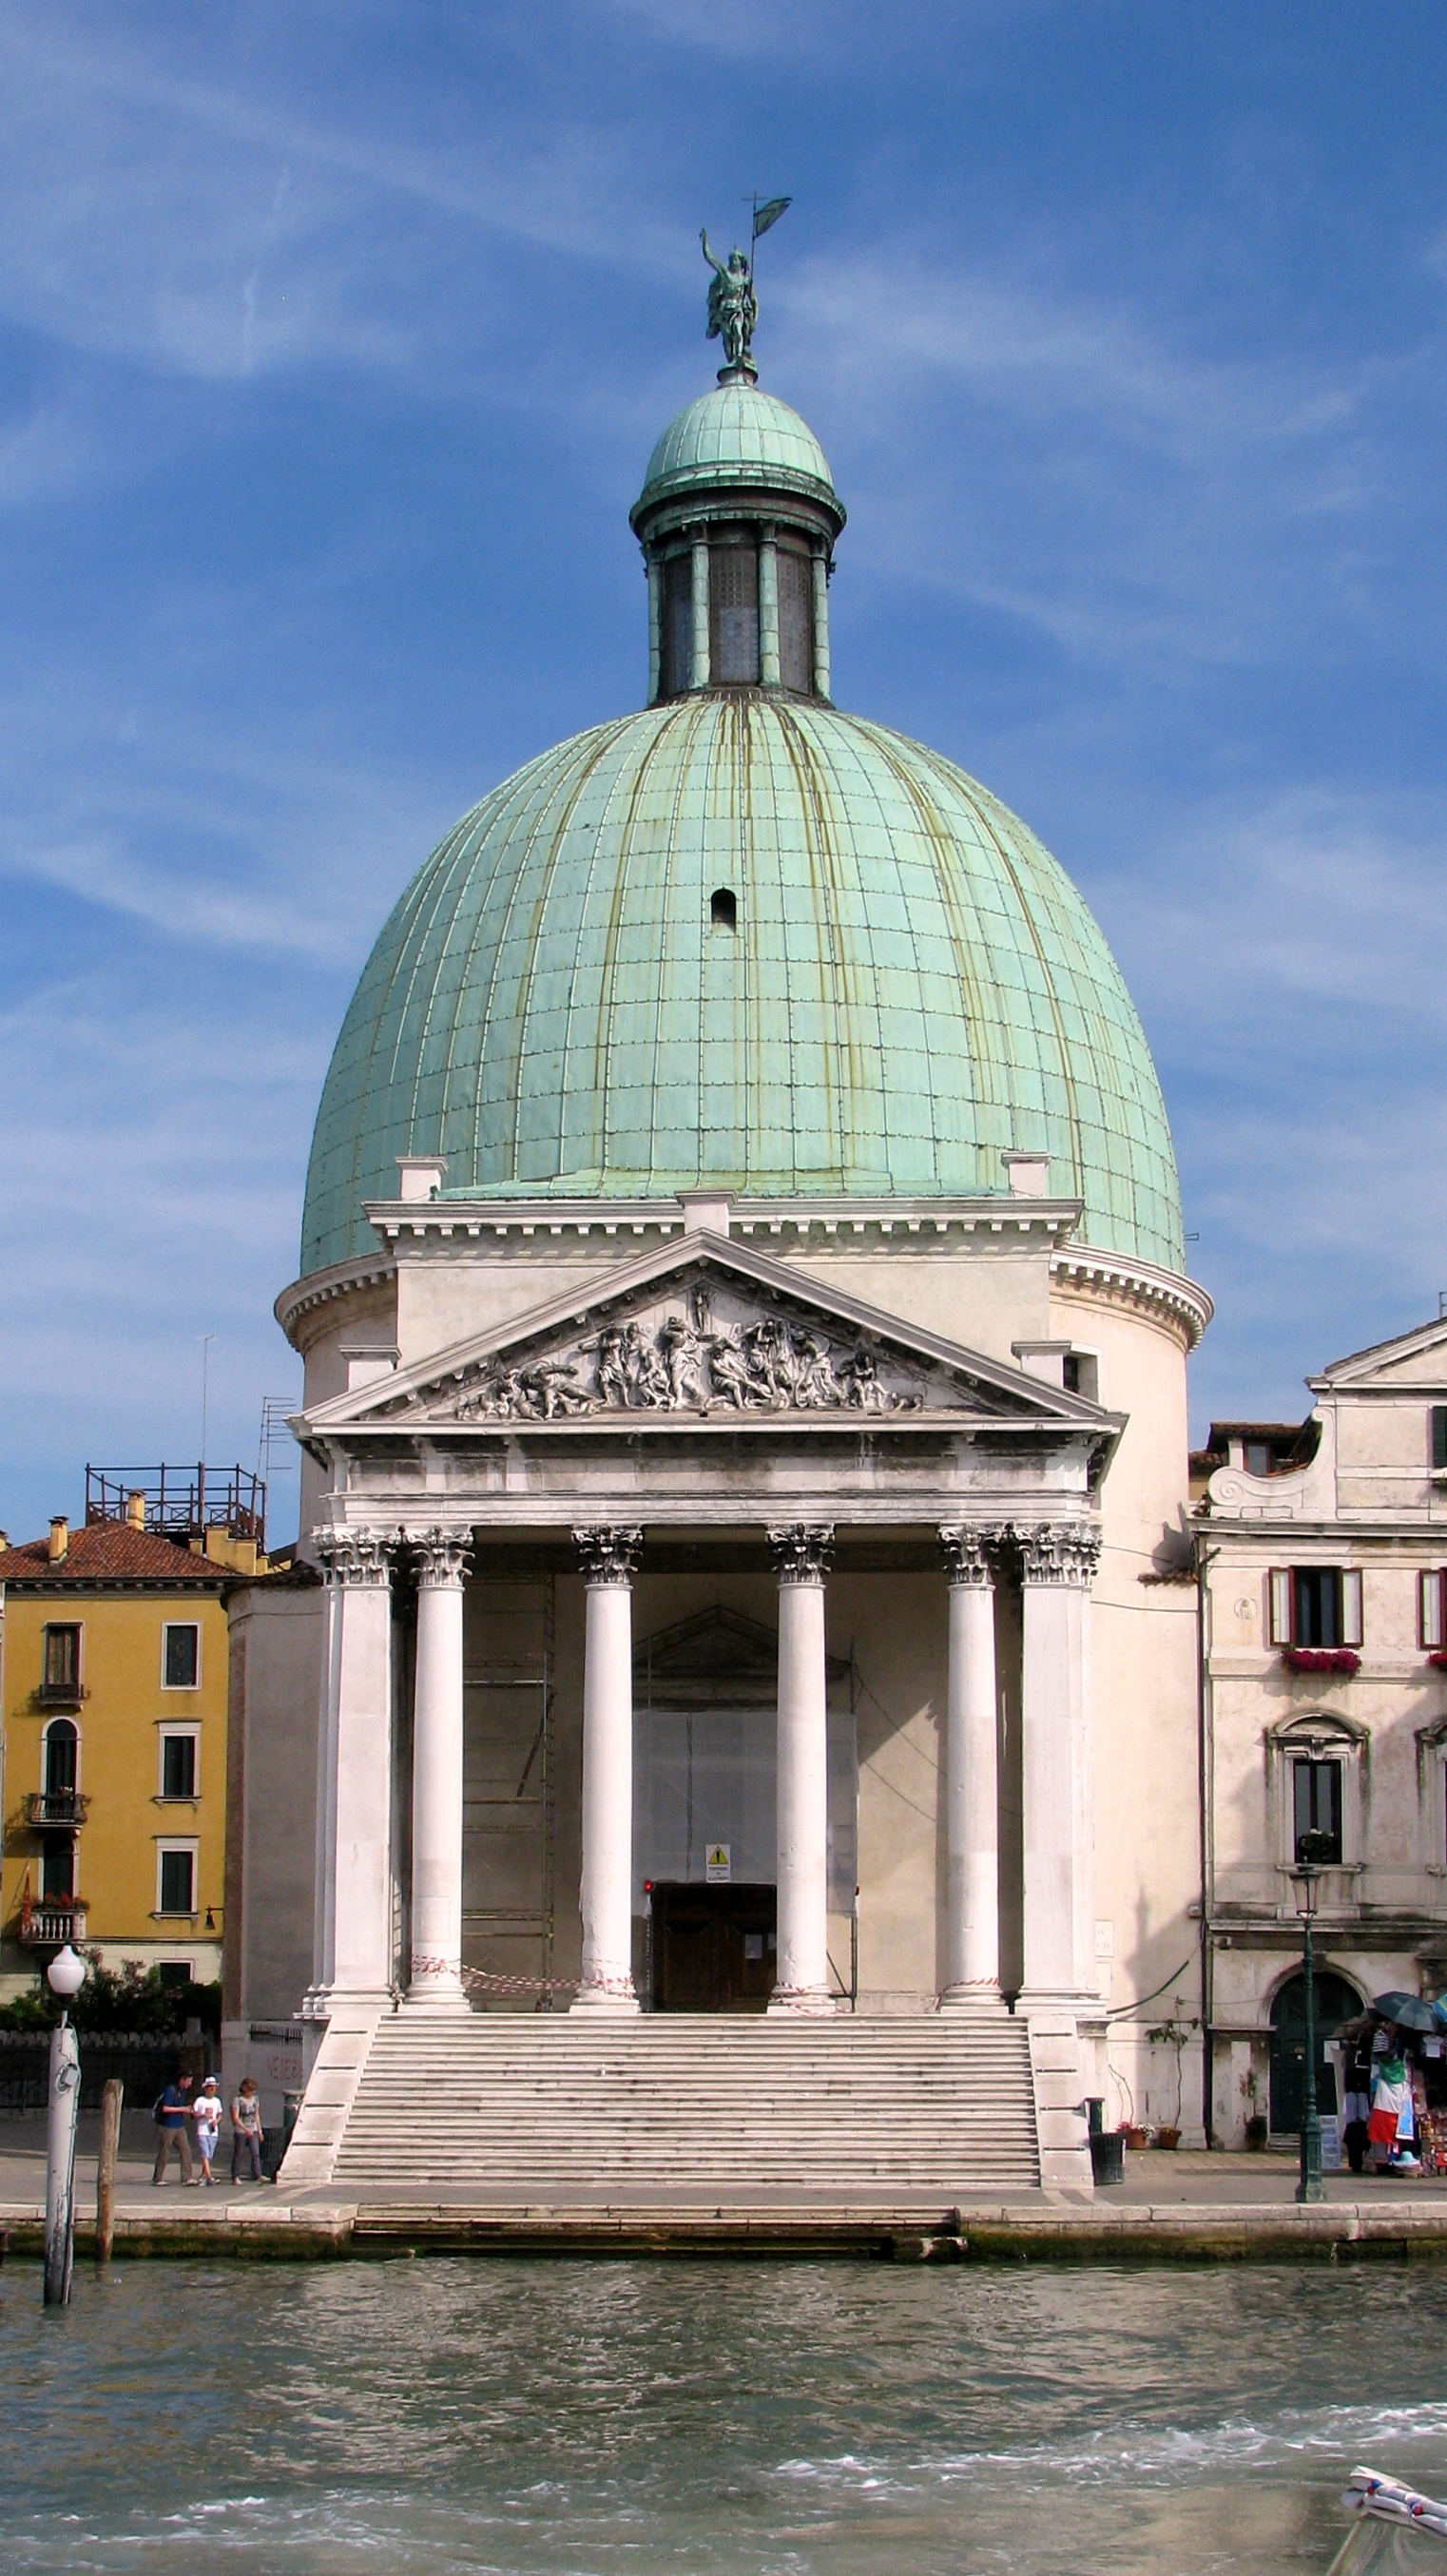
354 1805
608 1557
972 1818
437 1772
1057 1567
801 1556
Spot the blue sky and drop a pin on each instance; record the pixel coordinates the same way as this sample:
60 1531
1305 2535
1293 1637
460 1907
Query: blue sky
333 339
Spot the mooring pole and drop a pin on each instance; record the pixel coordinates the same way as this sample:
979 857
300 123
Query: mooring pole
105 2172
60 2164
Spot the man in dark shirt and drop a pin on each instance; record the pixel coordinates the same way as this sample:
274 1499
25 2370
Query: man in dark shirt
172 2113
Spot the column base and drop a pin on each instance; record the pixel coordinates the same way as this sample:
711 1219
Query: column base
982 1998
607 2003
814 2002
437 1994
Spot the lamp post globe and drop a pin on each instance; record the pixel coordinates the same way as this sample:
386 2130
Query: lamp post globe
66 1974
1313 1851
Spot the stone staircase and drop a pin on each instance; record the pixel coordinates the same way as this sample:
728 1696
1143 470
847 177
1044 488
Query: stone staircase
525 2109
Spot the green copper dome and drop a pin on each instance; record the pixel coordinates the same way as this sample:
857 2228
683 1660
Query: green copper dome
910 984
735 437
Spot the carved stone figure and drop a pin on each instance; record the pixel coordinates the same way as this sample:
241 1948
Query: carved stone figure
733 310
816 1385
554 1385
683 1360
728 1369
612 1373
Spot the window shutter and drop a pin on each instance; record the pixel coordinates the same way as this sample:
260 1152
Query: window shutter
1439 1435
1429 1605
1279 1595
1351 1607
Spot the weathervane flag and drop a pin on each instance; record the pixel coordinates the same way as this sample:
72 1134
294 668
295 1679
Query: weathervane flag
770 213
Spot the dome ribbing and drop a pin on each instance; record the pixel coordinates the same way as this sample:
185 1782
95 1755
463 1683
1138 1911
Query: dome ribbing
911 985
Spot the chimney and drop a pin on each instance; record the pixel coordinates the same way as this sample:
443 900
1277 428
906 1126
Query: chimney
59 1537
136 1510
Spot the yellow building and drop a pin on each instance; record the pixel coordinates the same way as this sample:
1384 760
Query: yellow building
113 1689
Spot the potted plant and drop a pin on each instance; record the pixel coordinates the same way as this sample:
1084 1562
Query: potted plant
1172 2034
1133 2134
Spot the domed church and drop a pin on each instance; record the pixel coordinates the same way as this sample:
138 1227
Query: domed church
740 1641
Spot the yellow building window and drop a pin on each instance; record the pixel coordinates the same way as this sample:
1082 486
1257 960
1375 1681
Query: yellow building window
181 1655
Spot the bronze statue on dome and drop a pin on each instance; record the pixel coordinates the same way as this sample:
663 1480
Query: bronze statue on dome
733 307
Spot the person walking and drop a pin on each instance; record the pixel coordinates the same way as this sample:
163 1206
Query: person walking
246 2129
207 2114
172 2111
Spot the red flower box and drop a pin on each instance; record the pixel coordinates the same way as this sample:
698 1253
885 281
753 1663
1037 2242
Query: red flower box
1438 1657
1322 1659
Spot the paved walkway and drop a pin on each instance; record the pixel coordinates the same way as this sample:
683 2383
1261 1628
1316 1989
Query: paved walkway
1178 2196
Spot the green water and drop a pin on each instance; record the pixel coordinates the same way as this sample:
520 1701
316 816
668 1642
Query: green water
639 2417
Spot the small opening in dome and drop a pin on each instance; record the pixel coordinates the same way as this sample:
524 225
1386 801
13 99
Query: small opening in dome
724 909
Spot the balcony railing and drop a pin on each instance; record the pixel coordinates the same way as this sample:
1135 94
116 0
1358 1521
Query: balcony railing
58 1695
47 1923
56 1807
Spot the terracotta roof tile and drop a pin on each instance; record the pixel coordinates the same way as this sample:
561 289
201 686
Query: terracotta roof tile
110 1551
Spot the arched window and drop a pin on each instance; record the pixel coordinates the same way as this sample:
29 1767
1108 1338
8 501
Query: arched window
723 908
61 1746
1316 1764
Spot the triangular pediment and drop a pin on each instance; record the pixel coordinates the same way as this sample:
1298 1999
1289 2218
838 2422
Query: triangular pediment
712 1332
1409 1360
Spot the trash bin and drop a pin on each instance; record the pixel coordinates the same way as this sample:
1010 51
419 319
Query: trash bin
1107 2146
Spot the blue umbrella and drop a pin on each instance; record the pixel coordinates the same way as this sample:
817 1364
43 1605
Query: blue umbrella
1407 2011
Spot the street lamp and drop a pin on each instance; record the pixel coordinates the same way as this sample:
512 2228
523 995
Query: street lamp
65 1976
1313 1850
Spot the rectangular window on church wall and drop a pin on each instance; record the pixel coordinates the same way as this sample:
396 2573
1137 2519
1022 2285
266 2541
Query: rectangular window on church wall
796 621
1431 1625
1439 1435
733 614
677 638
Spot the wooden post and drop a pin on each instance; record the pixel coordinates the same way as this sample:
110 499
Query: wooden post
105 2172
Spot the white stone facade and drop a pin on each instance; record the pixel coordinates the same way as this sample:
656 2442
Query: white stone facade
657 1534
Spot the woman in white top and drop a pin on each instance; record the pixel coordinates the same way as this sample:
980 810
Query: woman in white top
207 2115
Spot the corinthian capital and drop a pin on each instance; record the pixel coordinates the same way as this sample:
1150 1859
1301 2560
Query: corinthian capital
355 1557
1058 1552
969 1551
801 1551
443 1556
608 1553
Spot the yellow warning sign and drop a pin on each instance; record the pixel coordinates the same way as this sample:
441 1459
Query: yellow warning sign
719 1864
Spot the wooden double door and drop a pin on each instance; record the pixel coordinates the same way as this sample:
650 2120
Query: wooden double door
714 1948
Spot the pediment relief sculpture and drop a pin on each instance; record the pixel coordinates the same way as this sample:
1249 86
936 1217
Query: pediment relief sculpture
709 1350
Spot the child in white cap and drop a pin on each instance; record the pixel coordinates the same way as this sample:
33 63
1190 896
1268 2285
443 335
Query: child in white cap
207 2115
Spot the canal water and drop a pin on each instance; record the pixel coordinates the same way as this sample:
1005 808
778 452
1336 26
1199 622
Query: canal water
714 2416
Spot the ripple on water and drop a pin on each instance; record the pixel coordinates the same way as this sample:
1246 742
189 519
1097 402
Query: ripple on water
531 2418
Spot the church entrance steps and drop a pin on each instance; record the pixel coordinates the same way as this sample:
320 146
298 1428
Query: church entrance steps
535 2108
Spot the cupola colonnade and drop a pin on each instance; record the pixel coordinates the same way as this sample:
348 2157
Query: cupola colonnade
359 1939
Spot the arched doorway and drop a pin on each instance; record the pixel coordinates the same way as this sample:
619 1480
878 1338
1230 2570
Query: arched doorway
1336 2002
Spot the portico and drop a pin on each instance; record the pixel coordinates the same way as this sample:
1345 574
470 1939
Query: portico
656 1426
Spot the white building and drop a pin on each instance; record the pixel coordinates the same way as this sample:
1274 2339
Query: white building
745 1324
1324 1557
